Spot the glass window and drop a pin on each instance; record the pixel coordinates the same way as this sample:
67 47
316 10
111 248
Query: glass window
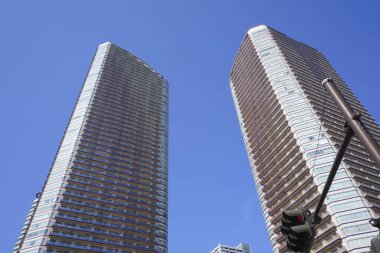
356 229
322 160
322 169
317 152
362 242
347 206
353 216
340 185
341 195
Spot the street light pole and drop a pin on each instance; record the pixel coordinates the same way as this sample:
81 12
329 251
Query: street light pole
353 126
353 120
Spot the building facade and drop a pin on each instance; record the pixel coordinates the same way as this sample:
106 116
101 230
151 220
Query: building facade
107 188
241 248
292 131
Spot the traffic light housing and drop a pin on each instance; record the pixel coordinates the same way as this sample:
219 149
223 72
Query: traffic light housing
299 228
291 218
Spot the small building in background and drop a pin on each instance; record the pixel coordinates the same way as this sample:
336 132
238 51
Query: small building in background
241 248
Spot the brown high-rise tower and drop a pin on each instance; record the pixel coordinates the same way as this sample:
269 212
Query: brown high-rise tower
292 131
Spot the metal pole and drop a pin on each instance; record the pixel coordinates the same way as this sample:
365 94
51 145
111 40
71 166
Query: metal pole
330 178
353 120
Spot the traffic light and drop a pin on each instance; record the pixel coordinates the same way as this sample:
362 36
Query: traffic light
299 238
298 226
291 218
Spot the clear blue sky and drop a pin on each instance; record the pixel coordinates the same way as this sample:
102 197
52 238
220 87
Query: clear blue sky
46 49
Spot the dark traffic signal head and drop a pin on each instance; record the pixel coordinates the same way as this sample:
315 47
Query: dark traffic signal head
291 218
299 237
298 226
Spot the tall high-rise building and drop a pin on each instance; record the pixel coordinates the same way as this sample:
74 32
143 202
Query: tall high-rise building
241 248
292 130
107 188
